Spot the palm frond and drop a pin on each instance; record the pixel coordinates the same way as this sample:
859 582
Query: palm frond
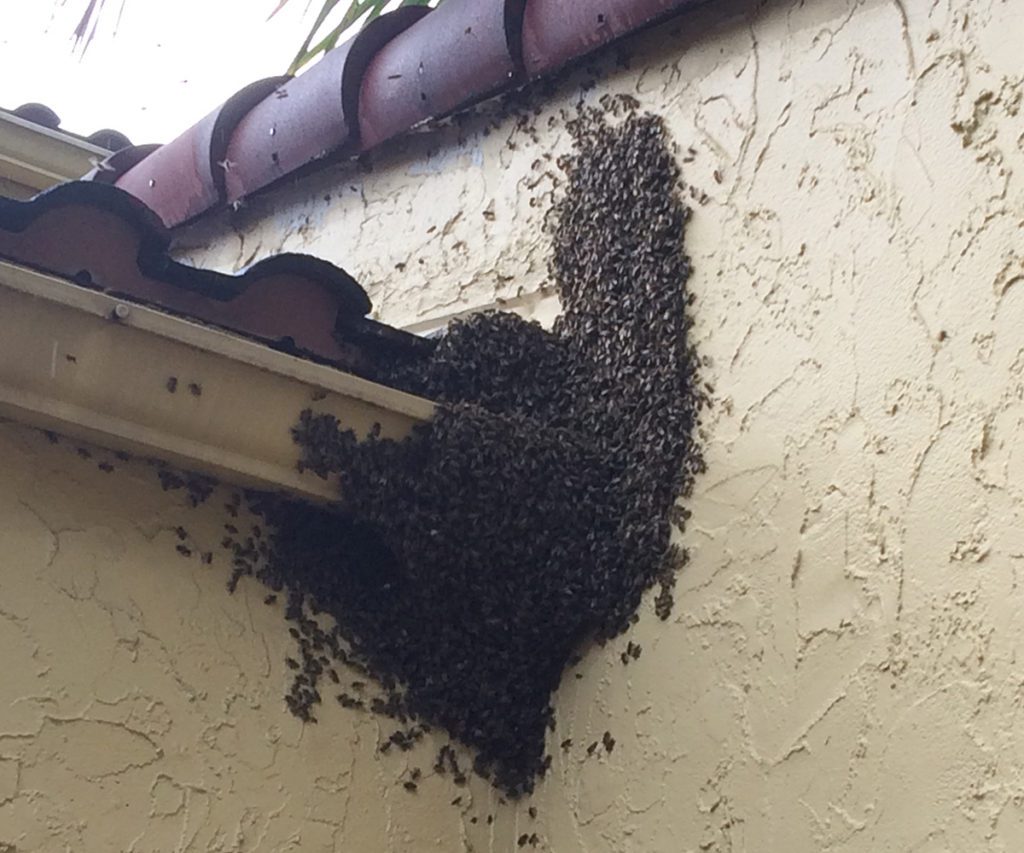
86 28
357 13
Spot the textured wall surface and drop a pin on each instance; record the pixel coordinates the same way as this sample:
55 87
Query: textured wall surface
141 706
843 671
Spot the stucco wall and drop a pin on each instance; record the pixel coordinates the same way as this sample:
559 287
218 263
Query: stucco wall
141 706
842 670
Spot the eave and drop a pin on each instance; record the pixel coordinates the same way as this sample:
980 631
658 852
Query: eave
89 365
39 158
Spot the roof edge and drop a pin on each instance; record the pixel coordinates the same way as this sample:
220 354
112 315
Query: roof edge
104 238
39 158
63 347
398 72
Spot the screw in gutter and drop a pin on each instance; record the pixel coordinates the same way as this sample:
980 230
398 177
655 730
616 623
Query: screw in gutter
121 312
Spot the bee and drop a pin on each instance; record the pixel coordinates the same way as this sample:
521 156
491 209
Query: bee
169 481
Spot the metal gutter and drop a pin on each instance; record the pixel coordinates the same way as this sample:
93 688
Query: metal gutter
123 376
39 158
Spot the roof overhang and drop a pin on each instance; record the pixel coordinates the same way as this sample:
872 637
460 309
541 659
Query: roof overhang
38 158
88 365
396 74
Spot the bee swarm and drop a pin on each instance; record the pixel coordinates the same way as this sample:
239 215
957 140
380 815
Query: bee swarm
532 514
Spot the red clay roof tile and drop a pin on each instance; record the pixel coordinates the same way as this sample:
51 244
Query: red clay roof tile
38 114
185 177
557 31
44 116
100 236
113 167
465 51
310 116
405 67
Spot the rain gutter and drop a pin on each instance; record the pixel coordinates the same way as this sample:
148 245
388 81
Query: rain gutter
85 364
38 158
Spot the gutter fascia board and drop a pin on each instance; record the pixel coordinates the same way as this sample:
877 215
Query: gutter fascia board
39 158
127 377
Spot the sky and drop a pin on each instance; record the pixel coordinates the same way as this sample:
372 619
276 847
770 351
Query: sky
162 68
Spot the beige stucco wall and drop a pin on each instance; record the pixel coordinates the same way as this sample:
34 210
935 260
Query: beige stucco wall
844 669
141 706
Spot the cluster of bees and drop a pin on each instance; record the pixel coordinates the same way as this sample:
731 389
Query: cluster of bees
478 557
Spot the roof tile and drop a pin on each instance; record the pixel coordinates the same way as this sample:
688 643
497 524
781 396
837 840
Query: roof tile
44 116
100 236
465 51
310 116
557 31
108 138
405 67
38 114
186 176
111 168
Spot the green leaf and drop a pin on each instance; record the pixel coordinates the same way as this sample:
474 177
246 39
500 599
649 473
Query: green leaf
372 9
355 10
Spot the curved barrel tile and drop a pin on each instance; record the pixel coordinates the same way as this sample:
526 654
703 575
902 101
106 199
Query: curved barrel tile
557 31
186 177
466 50
310 116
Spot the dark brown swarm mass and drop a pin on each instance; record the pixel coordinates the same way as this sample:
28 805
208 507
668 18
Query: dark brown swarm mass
530 516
